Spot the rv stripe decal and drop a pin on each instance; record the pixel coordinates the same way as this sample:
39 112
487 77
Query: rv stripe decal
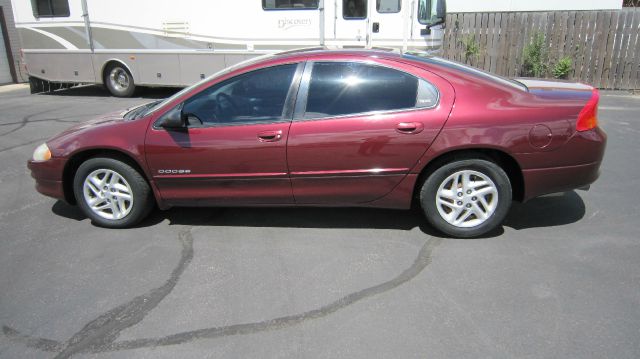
63 42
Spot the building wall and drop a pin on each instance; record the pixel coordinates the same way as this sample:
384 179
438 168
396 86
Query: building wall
454 6
13 39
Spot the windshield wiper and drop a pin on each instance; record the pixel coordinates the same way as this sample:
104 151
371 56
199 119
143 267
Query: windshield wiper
140 111
148 107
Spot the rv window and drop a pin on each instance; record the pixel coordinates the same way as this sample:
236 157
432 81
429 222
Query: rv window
388 6
50 8
431 11
354 9
289 4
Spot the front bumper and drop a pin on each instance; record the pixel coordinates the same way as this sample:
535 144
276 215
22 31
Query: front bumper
48 176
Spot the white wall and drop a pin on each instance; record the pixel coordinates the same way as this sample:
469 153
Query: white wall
530 5
5 72
14 40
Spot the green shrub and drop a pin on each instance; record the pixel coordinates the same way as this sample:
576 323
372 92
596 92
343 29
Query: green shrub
535 58
471 48
562 68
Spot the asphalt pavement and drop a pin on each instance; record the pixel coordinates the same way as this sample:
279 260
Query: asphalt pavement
560 279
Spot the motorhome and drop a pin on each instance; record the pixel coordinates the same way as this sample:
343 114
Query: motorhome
123 44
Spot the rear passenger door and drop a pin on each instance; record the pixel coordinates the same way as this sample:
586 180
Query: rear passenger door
359 128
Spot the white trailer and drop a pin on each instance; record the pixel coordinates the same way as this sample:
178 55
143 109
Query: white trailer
124 43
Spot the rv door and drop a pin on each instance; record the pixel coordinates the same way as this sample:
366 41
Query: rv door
351 22
387 24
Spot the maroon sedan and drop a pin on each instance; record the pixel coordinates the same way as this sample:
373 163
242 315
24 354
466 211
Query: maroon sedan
334 128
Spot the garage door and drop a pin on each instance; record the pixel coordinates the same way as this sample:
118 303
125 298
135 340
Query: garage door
5 73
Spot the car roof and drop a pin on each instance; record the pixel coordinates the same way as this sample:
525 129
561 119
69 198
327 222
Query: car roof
339 52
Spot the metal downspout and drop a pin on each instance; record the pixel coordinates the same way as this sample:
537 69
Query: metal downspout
87 24
321 8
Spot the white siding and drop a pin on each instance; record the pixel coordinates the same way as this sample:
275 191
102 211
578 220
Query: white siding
530 5
14 39
5 74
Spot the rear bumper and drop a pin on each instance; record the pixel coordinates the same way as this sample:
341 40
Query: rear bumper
586 148
48 176
559 179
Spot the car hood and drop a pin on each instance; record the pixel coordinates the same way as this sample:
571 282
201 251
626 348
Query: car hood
557 89
109 119
88 133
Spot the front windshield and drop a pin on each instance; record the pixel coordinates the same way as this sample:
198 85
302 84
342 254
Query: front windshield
219 73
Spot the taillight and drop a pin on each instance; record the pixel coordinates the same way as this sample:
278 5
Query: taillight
588 117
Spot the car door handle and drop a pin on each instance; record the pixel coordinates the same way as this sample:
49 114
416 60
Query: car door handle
410 127
270 136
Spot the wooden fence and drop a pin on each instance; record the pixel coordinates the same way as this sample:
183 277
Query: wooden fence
604 46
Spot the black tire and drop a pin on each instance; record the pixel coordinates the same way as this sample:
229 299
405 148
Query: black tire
142 198
115 76
440 177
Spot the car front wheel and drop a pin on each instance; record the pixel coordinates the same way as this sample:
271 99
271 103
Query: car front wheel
112 193
466 198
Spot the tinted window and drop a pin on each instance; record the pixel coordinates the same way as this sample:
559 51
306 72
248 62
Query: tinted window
427 95
289 4
354 9
338 88
258 96
50 8
388 6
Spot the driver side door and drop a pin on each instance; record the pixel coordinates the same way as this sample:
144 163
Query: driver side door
232 150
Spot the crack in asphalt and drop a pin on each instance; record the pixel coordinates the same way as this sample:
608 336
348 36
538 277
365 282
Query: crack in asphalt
28 120
106 328
25 120
420 263
100 334
22 144
62 120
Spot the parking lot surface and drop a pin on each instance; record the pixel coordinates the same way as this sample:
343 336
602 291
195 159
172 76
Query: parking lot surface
561 279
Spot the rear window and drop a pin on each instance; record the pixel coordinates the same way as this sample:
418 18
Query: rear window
341 88
388 6
422 57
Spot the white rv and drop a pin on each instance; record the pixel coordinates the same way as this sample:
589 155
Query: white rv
128 43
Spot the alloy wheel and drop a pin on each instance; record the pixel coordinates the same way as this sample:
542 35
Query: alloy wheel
467 198
108 194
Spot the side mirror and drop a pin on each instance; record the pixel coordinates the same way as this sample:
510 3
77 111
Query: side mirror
172 119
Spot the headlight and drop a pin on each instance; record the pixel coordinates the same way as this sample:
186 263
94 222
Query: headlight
42 153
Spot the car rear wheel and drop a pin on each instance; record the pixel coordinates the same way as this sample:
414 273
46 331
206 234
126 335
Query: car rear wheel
466 198
112 193
119 81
